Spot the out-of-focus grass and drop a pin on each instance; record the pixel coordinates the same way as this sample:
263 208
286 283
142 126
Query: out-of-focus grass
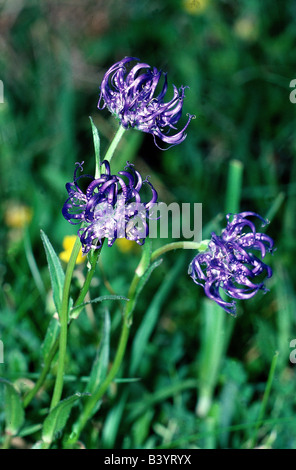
238 60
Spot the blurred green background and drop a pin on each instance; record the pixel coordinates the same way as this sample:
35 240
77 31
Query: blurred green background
202 373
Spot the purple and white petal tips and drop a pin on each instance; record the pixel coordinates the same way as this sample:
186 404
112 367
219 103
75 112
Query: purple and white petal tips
131 97
111 207
230 263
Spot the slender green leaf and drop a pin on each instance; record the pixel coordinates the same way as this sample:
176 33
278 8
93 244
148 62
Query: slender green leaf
138 408
96 139
57 418
50 336
265 399
57 274
13 407
234 186
215 331
32 429
33 265
76 310
101 362
234 428
275 207
112 422
144 279
146 257
149 321
128 151
285 316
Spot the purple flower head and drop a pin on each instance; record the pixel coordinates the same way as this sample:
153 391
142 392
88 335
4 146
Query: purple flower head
230 262
130 96
110 207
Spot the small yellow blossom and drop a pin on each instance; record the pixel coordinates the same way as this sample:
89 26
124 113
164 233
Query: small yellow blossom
195 7
126 246
17 215
246 28
68 244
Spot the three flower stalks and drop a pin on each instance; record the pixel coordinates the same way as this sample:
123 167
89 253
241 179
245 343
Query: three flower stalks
108 206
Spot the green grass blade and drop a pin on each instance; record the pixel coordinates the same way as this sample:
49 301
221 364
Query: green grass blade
13 408
101 362
58 417
97 145
149 321
76 310
57 275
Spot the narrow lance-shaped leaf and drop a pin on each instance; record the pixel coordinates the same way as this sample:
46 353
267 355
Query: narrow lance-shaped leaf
76 310
143 280
146 257
149 320
57 275
58 417
96 139
101 362
51 336
13 408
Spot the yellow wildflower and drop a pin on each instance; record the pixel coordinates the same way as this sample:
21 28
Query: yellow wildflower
17 215
126 246
68 244
246 28
195 7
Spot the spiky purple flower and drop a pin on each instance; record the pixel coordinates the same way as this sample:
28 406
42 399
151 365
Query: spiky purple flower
110 207
130 96
230 263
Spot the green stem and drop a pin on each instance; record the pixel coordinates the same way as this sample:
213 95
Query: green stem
114 143
65 300
234 186
63 314
265 398
48 360
89 276
96 139
6 442
177 245
93 400
145 260
131 295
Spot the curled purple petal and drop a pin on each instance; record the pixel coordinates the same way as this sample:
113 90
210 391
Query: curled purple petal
109 208
230 263
130 96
